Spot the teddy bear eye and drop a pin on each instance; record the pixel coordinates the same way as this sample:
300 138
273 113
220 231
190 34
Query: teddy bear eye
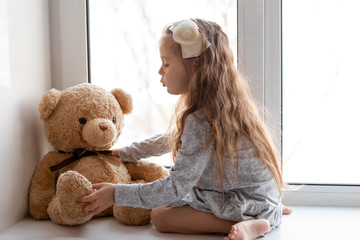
114 120
82 120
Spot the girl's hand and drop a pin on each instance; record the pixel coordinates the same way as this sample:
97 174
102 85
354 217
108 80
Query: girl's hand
101 199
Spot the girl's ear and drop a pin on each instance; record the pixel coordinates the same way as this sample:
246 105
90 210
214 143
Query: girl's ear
48 103
124 100
196 63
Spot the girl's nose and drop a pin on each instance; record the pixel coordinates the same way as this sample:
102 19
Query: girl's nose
161 72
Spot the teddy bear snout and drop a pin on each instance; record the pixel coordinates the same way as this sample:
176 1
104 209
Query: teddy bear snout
103 126
99 132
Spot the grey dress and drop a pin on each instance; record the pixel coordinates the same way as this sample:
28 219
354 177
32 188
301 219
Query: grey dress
249 191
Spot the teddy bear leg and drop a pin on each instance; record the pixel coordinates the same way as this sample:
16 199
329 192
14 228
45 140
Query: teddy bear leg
64 208
148 171
131 215
53 211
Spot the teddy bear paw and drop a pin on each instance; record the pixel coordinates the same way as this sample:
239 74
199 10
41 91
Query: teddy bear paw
64 208
132 216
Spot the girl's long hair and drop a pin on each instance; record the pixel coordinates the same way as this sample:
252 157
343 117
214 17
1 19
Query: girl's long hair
223 93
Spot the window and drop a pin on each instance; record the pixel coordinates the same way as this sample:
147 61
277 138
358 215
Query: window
320 113
320 91
124 53
259 40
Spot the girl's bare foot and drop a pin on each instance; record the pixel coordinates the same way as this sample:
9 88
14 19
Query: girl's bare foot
249 229
286 210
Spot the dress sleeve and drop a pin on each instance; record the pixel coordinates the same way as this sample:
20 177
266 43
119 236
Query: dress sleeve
190 163
155 146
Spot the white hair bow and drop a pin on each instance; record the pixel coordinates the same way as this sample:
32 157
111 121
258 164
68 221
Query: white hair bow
187 34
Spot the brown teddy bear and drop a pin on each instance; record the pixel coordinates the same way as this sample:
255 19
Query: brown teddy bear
82 123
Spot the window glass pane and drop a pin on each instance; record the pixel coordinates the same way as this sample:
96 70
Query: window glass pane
124 37
321 83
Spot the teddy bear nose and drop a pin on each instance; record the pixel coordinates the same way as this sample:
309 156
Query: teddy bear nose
103 126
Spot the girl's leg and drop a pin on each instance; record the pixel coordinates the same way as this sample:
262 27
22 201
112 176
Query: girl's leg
188 220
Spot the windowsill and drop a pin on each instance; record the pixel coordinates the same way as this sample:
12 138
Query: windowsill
304 223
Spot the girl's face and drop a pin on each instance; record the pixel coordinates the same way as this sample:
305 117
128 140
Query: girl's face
174 75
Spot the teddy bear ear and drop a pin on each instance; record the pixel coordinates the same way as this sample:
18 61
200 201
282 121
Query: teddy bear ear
124 100
48 103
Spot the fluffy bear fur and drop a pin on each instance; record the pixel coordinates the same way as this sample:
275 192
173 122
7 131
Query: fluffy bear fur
82 119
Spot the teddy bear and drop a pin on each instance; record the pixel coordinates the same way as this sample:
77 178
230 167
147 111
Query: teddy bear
82 123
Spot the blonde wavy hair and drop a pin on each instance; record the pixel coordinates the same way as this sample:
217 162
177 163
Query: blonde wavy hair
223 93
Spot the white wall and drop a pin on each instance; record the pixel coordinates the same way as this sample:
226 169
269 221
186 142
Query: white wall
22 142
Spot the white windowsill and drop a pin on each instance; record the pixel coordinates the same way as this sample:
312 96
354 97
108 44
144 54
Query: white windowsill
309 223
323 195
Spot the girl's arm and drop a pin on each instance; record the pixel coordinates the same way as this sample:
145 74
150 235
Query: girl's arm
191 160
155 146
190 163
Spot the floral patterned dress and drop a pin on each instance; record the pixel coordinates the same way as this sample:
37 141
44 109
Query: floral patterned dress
249 189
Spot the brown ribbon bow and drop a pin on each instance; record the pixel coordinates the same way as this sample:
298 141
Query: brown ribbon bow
77 155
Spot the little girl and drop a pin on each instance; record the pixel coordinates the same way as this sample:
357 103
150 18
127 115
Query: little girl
226 177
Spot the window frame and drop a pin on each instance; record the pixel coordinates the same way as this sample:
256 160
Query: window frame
259 57
307 194
69 43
